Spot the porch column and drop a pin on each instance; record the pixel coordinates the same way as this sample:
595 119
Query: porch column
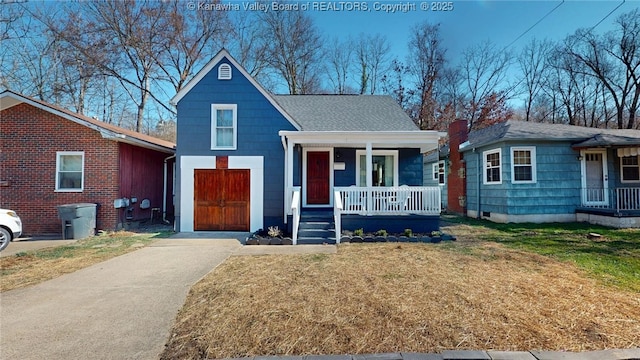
289 175
369 176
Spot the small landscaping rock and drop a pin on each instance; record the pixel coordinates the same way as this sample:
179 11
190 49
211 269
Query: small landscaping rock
436 239
368 239
264 241
425 239
380 239
345 239
287 241
403 238
275 241
392 238
252 241
356 239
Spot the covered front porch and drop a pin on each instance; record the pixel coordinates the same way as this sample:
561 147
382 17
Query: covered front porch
365 179
610 193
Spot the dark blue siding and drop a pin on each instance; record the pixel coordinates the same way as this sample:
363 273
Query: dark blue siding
410 164
258 124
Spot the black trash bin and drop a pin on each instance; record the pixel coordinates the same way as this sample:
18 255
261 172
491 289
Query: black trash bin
78 220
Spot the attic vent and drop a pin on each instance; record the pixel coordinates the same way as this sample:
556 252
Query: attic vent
224 72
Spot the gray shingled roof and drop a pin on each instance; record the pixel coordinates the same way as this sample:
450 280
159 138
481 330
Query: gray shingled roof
346 112
523 130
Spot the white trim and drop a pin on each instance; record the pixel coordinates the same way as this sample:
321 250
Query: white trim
304 176
425 140
484 166
189 163
436 172
214 126
224 72
605 176
207 68
622 180
68 153
396 170
532 154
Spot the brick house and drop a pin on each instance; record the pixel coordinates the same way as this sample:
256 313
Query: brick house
50 156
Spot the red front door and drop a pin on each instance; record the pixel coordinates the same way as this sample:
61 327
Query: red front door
318 177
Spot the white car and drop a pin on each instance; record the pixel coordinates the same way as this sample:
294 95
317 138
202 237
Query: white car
10 227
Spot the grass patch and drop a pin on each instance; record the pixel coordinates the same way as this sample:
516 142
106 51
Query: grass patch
385 297
33 267
614 258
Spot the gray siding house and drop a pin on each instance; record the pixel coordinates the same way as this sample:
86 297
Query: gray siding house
534 172
248 159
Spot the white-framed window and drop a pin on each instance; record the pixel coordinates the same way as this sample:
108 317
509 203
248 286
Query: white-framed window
630 169
384 168
224 72
224 126
438 172
523 164
492 166
70 171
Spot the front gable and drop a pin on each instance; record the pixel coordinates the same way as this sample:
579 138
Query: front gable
222 99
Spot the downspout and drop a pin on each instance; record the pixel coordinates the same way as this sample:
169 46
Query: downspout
478 175
164 190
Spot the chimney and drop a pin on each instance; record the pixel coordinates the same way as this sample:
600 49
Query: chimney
456 178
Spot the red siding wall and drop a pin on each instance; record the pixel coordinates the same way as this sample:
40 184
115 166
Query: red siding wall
456 181
142 176
29 140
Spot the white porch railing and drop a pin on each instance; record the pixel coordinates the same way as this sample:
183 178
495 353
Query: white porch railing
337 214
619 199
422 200
295 209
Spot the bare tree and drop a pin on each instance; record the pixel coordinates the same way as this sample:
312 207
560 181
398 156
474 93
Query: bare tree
484 70
426 63
613 59
339 64
295 49
372 53
188 42
248 43
533 64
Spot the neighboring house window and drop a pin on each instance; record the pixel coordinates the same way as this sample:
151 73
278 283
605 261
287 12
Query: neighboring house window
438 172
384 169
224 72
223 126
523 164
69 171
630 168
492 166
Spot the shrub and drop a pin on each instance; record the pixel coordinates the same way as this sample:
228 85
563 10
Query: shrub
382 232
274 231
408 232
358 232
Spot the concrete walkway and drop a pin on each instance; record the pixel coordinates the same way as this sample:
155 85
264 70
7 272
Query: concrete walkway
122 308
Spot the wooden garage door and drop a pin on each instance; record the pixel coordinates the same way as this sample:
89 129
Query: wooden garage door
221 199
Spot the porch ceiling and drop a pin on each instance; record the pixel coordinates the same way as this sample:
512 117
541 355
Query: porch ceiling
425 140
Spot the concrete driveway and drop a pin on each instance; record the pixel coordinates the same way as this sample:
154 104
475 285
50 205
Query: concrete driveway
122 308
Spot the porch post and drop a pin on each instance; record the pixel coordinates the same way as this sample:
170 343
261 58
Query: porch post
369 176
289 173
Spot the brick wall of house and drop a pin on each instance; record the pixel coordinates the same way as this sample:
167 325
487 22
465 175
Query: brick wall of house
456 179
29 140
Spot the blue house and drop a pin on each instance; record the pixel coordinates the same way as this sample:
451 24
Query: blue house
536 172
248 159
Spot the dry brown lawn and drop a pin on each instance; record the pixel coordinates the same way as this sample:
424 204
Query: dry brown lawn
376 298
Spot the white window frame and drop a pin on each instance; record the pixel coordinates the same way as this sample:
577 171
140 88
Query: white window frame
484 166
532 155
436 172
622 179
393 153
214 127
224 72
59 155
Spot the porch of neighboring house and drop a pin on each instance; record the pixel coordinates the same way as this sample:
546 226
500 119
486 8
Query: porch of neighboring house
331 192
618 205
